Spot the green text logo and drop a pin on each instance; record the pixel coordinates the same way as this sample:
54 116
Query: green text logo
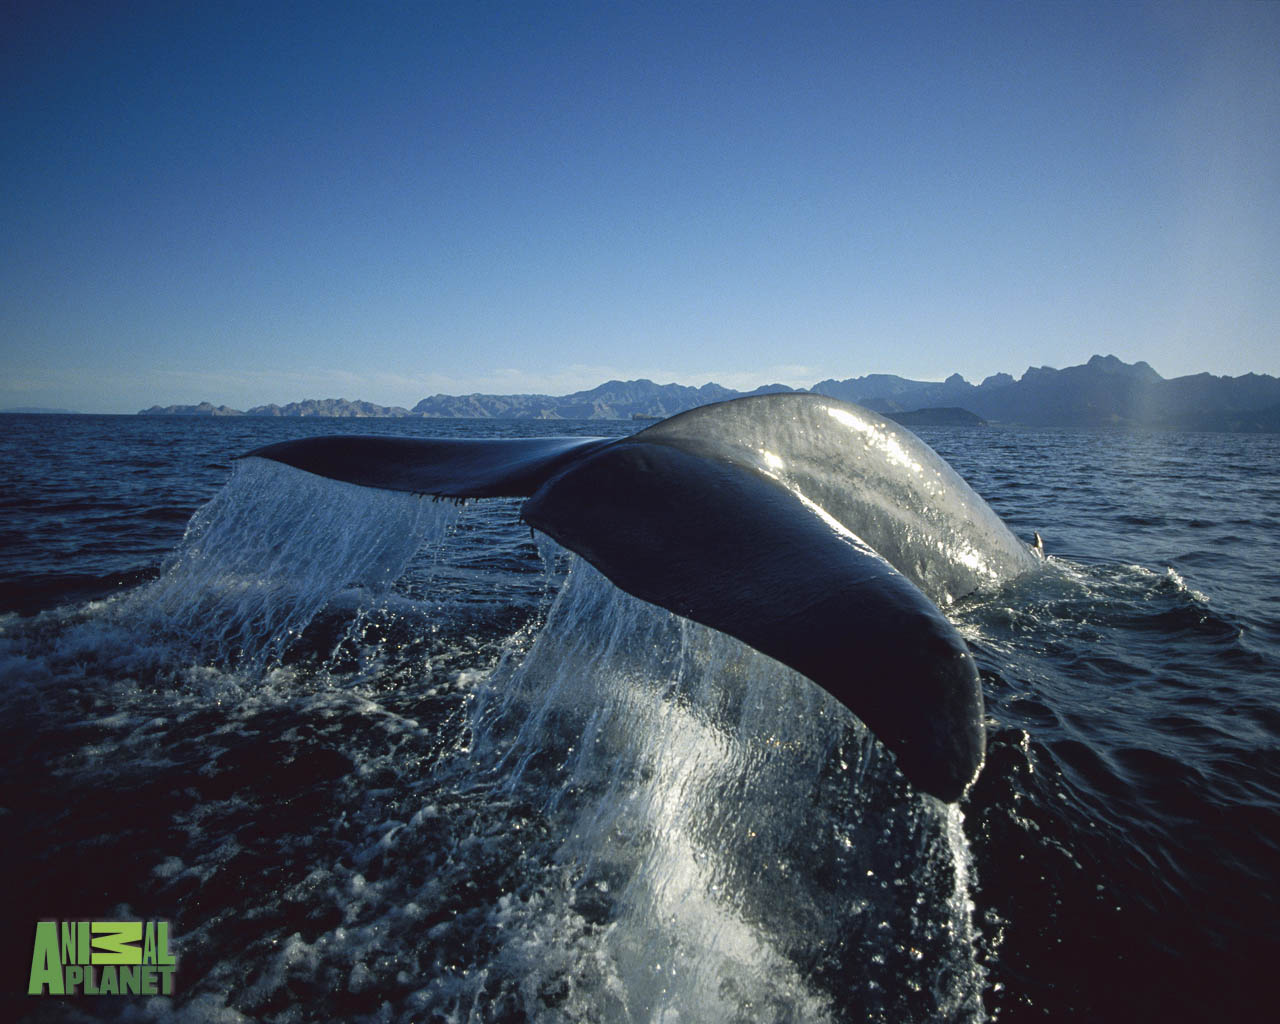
101 958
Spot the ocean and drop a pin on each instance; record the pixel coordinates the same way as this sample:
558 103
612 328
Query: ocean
381 758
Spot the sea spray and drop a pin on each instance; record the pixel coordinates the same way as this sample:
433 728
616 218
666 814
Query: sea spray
265 555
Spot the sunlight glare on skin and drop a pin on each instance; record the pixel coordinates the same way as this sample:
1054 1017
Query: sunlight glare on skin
774 462
880 439
877 437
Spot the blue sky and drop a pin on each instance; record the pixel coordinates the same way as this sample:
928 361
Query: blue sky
267 202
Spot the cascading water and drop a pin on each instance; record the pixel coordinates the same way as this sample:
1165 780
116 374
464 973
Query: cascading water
748 844
259 561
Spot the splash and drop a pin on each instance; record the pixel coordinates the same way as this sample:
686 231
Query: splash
269 551
650 821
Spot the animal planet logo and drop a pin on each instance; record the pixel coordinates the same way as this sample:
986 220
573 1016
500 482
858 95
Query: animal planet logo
102 958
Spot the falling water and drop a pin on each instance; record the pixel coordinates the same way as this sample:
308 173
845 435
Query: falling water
259 561
745 838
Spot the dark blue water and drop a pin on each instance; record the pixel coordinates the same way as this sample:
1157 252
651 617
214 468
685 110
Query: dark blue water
455 786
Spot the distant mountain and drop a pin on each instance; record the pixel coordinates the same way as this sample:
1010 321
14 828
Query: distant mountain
203 409
328 407
614 400
888 393
1104 392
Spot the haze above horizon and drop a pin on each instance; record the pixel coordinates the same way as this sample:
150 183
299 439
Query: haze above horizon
265 203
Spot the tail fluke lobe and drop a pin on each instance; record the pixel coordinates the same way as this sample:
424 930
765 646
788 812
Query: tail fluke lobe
446 467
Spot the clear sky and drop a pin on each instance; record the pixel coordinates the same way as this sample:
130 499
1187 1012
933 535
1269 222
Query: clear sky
264 202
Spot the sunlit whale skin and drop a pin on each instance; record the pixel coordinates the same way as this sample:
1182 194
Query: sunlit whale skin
700 515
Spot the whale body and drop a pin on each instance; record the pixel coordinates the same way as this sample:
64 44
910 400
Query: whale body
815 531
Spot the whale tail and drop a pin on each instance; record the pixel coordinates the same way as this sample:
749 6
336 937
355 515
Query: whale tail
694 516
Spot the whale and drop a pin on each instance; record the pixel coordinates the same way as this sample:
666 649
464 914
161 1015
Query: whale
813 530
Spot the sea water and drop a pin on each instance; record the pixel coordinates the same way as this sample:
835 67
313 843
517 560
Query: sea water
377 757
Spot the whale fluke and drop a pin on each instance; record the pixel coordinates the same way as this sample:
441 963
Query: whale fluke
746 517
444 467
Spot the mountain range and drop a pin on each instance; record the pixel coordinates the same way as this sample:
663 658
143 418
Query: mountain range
1104 392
